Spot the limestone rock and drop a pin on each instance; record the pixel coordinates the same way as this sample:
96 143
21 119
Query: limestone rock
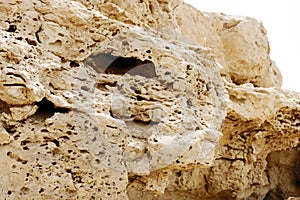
240 44
136 99
5 138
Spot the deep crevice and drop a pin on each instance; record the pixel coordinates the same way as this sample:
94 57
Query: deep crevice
232 159
14 85
47 109
37 34
110 64
16 75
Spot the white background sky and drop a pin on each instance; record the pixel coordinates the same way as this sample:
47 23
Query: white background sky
281 18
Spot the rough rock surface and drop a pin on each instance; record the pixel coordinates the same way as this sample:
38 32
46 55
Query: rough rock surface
140 100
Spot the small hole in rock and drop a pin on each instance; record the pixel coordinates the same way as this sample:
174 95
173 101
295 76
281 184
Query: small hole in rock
56 142
74 64
22 161
140 98
12 28
85 88
25 148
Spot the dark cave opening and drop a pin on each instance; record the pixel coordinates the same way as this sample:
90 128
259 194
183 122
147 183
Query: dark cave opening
109 64
47 109
284 174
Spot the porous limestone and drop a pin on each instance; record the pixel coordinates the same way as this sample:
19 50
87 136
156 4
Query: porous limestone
138 99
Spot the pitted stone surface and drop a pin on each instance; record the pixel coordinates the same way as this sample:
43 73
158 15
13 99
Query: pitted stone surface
138 99
240 44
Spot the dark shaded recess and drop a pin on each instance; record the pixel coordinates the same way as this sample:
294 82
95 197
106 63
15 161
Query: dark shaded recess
4 107
142 123
109 64
74 64
12 28
16 75
10 129
140 98
102 86
225 195
14 85
240 81
47 109
271 195
31 42
133 177
288 183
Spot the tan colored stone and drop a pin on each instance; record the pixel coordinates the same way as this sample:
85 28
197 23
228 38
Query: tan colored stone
239 43
141 99
19 113
5 138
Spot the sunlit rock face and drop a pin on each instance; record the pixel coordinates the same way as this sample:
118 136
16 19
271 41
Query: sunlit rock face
141 99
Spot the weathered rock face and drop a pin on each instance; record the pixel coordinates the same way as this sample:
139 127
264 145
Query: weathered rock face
137 99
